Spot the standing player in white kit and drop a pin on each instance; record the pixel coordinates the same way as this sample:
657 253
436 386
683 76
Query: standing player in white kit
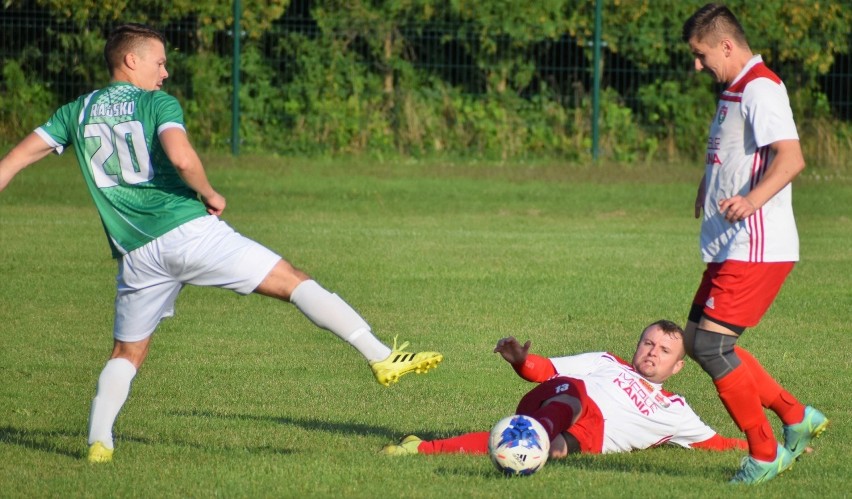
748 239
160 214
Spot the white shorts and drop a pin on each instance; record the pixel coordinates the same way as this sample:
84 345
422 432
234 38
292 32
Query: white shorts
204 252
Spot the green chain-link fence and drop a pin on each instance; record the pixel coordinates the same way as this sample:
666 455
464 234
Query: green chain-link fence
442 88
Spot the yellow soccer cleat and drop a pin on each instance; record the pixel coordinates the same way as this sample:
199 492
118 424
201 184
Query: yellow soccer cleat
99 453
400 362
406 447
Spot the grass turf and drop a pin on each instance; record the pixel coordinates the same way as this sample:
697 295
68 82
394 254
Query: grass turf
242 396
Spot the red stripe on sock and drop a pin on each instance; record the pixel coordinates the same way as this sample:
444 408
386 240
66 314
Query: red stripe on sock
772 395
738 392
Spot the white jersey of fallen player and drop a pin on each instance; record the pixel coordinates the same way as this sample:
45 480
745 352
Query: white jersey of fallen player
753 112
637 413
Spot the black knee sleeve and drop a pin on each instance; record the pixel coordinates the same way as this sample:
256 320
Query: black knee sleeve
714 352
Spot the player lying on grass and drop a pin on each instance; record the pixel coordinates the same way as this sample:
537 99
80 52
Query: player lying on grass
160 214
597 403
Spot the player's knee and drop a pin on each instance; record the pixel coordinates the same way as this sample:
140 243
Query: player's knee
281 281
714 352
558 448
135 351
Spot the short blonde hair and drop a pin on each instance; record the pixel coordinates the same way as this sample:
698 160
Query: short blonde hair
125 39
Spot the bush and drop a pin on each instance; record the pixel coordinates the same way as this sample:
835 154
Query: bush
24 102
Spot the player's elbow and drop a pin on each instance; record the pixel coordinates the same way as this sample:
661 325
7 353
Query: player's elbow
801 164
186 163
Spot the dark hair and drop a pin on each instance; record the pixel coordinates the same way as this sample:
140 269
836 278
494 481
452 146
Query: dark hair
670 328
125 39
712 21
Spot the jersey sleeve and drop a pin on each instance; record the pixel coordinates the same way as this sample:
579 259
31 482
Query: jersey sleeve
169 113
535 368
691 429
719 443
766 108
59 130
577 365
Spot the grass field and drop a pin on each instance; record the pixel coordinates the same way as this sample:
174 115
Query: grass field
243 397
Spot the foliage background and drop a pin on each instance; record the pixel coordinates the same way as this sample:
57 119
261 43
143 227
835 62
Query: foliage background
500 79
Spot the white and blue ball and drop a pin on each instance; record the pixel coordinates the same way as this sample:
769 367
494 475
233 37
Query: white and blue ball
518 445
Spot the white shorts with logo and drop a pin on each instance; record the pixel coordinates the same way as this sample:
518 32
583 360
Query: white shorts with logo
204 252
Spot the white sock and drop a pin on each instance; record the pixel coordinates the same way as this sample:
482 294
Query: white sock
113 388
330 312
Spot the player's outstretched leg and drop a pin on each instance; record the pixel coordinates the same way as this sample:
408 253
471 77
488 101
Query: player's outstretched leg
797 437
467 443
405 447
753 471
400 362
330 312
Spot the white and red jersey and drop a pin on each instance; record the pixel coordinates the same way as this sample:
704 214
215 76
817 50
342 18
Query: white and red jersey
753 112
637 413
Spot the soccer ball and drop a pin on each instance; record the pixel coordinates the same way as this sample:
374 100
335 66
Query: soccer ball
518 445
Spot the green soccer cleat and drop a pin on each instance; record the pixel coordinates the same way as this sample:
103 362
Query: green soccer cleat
406 447
797 437
400 362
99 453
753 471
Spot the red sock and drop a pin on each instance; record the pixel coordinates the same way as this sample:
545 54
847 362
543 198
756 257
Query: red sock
761 442
556 417
738 390
469 443
790 410
772 395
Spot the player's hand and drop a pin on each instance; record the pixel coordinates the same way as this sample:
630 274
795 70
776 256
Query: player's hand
512 351
736 209
215 203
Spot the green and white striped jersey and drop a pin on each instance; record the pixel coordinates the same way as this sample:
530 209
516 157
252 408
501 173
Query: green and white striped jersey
135 187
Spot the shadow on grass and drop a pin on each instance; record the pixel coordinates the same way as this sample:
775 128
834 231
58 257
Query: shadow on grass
345 428
670 461
629 464
55 442
41 440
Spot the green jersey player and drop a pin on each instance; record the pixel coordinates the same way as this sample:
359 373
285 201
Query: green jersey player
137 189
160 214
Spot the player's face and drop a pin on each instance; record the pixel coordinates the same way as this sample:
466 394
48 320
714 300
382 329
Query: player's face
150 68
711 58
658 355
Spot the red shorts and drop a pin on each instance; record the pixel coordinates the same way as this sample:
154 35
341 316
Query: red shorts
589 427
739 293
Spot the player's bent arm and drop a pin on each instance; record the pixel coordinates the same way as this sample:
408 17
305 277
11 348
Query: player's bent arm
27 152
786 165
719 443
188 165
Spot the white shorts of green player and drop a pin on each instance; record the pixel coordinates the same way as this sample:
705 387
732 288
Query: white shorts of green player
203 252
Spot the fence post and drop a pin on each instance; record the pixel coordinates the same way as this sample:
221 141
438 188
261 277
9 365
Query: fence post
235 82
596 85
